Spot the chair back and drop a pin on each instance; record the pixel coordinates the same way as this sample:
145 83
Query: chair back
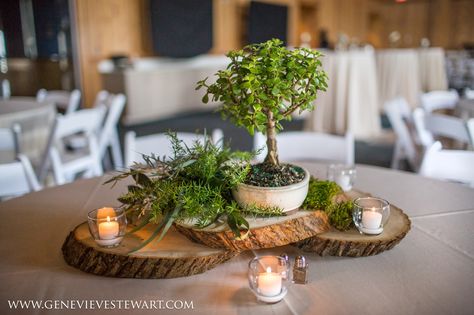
6 91
101 98
159 144
453 165
67 101
470 129
108 136
469 94
10 139
430 125
17 178
435 100
67 166
305 145
399 115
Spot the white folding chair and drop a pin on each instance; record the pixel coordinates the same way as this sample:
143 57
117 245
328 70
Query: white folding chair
453 165
305 145
159 144
469 94
399 115
65 100
17 176
470 129
436 100
86 163
6 91
101 98
108 135
9 141
431 125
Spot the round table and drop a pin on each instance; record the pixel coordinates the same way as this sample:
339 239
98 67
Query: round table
36 120
430 272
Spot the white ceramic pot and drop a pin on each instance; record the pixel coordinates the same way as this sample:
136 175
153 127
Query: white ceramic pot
286 197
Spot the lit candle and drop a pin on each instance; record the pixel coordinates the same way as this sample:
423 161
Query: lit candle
105 212
344 181
269 283
108 230
371 219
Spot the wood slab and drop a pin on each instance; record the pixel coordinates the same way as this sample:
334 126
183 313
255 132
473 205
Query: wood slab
174 256
264 232
352 243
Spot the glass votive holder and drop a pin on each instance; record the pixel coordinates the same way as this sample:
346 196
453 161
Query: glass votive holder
268 278
343 175
370 214
107 226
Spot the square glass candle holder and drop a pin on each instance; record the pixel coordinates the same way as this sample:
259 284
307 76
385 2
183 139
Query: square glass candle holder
107 226
370 214
269 277
343 175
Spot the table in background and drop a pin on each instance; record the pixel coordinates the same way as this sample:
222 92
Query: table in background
351 100
430 272
36 120
408 72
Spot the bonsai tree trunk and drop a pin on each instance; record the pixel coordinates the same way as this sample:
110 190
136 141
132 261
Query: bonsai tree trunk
272 154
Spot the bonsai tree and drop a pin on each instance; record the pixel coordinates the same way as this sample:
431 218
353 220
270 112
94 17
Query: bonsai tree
264 84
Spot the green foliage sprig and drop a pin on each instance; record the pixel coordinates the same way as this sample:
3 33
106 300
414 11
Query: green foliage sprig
264 84
195 184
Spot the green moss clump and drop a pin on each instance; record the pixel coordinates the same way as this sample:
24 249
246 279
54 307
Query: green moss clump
340 215
320 197
320 194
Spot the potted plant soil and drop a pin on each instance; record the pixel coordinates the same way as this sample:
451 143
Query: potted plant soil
263 85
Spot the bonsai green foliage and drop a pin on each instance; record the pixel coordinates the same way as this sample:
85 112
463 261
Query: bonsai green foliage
194 184
264 84
320 196
340 215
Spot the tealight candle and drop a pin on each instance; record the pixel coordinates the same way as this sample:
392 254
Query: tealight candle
269 283
371 219
108 230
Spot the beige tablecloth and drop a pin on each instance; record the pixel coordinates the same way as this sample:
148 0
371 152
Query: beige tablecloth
430 272
409 72
351 100
36 120
432 68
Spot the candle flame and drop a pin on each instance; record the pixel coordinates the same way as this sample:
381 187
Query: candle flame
108 219
269 269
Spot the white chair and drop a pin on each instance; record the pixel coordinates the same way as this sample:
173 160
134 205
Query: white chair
305 145
399 115
470 129
430 125
453 165
65 100
101 98
9 140
17 176
159 144
108 135
6 91
469 94
436 100
86 163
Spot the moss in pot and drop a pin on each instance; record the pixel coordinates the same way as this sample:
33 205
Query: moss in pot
263 85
